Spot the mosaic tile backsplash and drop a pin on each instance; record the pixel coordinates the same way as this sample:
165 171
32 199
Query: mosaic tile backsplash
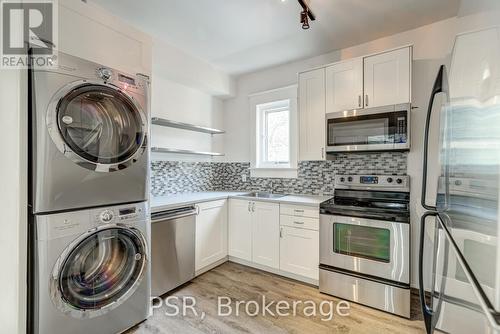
314 177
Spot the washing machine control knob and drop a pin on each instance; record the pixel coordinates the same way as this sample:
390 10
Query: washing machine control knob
106 216
104 73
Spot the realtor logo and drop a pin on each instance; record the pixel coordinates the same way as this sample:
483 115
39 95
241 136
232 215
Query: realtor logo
29 33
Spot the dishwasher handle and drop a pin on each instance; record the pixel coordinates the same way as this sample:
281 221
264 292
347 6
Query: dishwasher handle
174 214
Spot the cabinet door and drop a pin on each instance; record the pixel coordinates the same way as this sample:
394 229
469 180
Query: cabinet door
344 86
388 78
211 233
312 115
299 251
240 229
266 234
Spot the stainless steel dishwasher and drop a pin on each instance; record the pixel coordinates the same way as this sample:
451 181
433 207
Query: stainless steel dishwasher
172 249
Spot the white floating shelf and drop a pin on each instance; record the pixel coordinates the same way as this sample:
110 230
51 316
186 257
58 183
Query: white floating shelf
187 152
185 126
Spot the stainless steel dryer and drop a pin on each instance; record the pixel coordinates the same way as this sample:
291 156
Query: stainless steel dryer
89 127
92 270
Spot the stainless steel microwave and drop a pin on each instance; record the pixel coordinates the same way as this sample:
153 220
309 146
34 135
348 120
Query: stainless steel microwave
375 129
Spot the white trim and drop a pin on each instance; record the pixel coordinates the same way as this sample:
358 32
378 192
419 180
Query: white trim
286 93
279 173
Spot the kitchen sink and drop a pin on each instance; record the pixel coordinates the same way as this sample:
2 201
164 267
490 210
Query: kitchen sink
262 195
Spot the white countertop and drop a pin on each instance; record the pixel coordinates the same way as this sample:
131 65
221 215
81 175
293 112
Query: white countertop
163 203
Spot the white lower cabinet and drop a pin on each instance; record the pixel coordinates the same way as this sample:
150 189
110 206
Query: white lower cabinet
282 238
254 232
211 233
299 251
266 234
240 229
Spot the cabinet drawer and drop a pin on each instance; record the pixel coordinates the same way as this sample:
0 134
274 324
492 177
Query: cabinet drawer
299 211
300 222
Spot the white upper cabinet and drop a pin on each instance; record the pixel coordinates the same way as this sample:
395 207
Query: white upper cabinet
344 86
387 78
211 233
266 234
312 109
240 229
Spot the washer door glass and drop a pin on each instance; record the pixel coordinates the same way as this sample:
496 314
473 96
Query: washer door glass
100 124
102 268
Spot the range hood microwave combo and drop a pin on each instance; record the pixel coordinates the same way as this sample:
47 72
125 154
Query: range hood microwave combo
376 129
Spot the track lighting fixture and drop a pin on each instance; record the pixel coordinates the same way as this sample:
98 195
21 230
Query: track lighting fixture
306 14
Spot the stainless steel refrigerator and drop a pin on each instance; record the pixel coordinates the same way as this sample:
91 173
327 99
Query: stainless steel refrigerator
459 260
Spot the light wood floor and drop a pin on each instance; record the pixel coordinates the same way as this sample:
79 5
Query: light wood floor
243 283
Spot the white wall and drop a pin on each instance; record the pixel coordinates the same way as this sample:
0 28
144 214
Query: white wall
180 67
432 45
13 202
180 103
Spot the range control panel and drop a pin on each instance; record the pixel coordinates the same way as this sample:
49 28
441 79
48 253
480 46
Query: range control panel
375 182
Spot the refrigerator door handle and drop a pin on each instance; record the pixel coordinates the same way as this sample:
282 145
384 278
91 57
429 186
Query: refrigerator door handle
426 310
438 88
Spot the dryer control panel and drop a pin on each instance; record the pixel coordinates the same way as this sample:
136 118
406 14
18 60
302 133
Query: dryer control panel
121 214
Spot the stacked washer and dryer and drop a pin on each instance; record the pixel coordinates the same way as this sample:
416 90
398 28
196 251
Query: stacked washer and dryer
89 228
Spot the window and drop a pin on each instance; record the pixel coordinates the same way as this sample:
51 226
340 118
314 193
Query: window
274 134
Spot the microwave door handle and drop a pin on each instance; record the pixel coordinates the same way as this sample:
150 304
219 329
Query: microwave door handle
438 88
426 310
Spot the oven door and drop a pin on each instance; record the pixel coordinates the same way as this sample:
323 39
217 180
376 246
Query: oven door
377 129
366 246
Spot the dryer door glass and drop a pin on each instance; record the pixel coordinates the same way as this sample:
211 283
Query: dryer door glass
103 269
100 124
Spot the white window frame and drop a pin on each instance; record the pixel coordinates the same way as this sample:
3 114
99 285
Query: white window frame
258 167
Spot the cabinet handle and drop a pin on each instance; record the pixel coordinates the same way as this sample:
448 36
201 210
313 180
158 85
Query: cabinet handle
197 209
360 103
299 211
249 204
322 153
281 232
298 223
253 207
366 100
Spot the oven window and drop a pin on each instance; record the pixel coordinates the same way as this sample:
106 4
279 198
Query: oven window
362 241
384 128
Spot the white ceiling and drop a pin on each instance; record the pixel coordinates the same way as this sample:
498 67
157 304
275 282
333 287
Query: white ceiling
240 36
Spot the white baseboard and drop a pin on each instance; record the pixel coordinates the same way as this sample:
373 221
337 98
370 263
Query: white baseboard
275 271
211 266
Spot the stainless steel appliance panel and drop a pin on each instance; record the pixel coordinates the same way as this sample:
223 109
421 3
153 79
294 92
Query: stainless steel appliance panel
375 294
376 248
65 179
465 268
375 129
172 249
103 295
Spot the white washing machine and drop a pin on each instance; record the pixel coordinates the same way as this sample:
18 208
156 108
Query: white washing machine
89 128
92 270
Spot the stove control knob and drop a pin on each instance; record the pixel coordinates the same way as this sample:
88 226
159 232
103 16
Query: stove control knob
106 216
399 181
349 179
389 180
342 179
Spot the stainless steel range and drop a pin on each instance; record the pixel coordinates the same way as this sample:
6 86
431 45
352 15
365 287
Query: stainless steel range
365 242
